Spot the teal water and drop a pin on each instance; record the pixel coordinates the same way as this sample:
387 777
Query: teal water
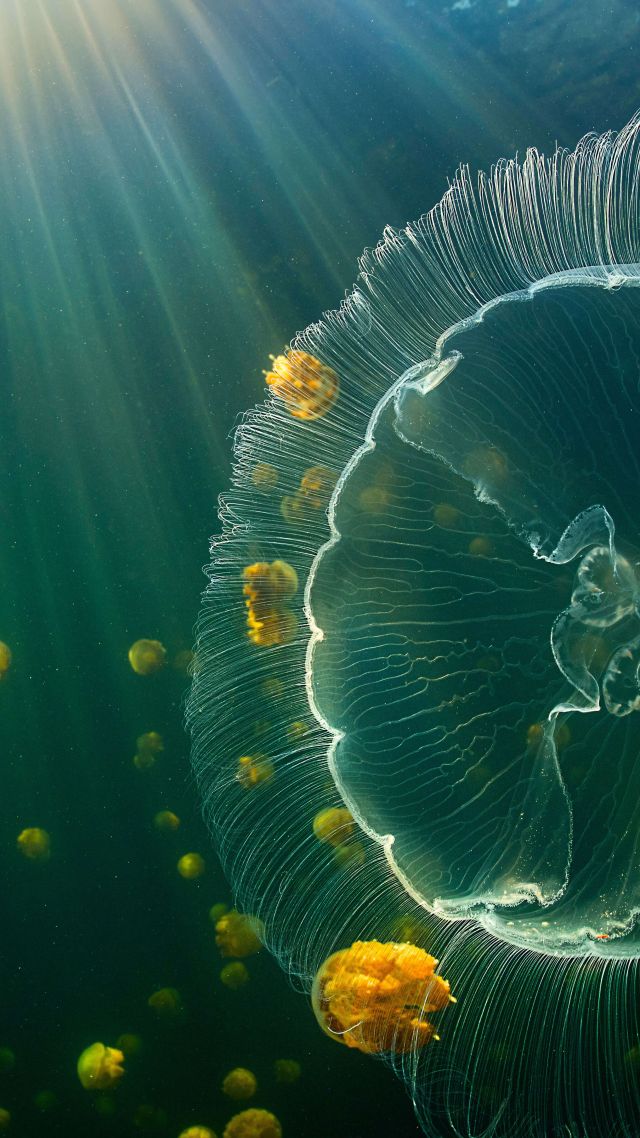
183 185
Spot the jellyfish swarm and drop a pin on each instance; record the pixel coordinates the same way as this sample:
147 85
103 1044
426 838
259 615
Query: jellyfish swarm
461 667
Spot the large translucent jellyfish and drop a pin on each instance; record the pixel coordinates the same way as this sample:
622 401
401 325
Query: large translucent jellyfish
446 661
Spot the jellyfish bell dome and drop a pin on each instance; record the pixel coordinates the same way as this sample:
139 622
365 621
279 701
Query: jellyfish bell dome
422 626
476 659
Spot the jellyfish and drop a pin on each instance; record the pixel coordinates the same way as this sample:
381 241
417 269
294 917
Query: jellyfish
191 866
240 1083
253 1124
462 642
100 1067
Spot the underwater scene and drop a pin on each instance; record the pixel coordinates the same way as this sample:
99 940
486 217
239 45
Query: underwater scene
320 618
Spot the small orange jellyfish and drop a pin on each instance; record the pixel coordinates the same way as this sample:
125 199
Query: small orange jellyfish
481 547
239 1084
315 489
254 769
147 657
100 1067
238 934
191 866
334 825
5 1118
166 1003
166 821
34 843
376 997
218 910
5 659
148 746
308 388
287 1070
446 515
264 477
253 1124
197 1132
234 975
268 588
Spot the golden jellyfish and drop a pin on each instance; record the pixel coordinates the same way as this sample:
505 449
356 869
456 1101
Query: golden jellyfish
151 741
239 1084
144 760
287 1070
376 997
313 493
5 1118
166 822
234 975
238 934
268 589
350 855
5 659
166 1003
218 910
254 769
197 1132
100 1067
307 387
446 515
264 477
253 1124
147 657
183 662
34 843
334 825
191 866
481 547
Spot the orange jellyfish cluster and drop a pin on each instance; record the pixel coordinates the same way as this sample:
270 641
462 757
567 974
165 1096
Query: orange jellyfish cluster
269 588
307 387
313 493
377 997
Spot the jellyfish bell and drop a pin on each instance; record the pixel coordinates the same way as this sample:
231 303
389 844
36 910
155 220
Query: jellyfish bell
460 631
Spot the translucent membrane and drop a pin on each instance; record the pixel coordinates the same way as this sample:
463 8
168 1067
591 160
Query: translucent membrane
451 653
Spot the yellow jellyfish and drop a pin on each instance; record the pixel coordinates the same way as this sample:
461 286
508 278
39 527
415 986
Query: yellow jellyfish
264 477
147 657
100 1067
183 662
197 1132
239 1084
254 769
151 741
287 1070
253 1124
481 547
218 910
234 975
191 866
376 997
446 515
166 821
313 493
334 825
5 659
5 1118
307 387
166 1003
268 589
148 746
34 843
238 934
